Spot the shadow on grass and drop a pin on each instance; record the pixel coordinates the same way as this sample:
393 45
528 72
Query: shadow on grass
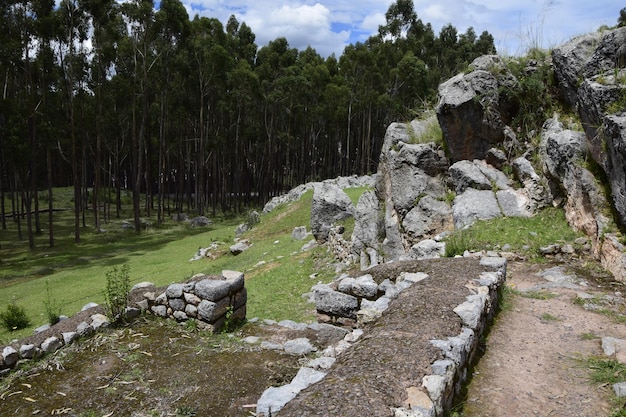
111 247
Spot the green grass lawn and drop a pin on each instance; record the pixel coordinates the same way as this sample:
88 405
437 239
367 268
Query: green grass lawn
277 271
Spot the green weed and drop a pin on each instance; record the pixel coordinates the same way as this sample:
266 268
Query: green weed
549 317
606 372
538 295
53 309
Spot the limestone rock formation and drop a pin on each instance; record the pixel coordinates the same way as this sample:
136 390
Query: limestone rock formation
330 205
407 174
591 71
367 228
472 113
586 208
584 203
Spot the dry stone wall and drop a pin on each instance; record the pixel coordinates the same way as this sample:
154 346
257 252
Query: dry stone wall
359 300
53 338
213 301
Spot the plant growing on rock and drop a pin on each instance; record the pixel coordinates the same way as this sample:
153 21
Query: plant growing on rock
14 318
116 292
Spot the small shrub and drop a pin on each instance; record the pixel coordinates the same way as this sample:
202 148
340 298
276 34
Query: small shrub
14 318
116 292
53 309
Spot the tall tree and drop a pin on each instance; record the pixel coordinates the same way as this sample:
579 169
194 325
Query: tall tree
71 56
139 16
172 31
106 25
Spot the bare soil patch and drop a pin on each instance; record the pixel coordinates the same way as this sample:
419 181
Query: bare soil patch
532 365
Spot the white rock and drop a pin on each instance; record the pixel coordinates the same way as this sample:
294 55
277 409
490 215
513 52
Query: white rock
620 389
28 351
51 344
323 362
99 320
88 306
10 356
298 347
69 337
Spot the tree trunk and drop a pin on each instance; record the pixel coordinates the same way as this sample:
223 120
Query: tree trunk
50 205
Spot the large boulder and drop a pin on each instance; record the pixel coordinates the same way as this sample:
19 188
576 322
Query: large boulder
472 112
474 205
569 60
535 187
478 175
330 205
407 173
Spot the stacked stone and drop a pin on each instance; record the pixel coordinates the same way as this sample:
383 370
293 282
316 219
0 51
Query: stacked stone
212 300
450 374
349 301
12 354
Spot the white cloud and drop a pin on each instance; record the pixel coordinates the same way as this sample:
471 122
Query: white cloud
301 25
372 21
328 26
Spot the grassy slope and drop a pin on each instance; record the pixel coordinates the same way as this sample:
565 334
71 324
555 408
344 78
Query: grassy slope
277 272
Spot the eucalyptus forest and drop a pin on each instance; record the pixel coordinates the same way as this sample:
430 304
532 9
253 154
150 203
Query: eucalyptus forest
190 114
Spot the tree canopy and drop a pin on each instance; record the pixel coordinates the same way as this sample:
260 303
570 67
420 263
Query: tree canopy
190 115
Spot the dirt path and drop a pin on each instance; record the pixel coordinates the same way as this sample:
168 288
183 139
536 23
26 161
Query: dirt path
530 366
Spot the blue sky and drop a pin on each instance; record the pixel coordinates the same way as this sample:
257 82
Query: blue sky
328 26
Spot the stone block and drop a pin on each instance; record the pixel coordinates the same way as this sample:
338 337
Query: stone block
10 356
336 303
28 351
69 337
51 345
160 311
212 290
174 291
177 304
210 311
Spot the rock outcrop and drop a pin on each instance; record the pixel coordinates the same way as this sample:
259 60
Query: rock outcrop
330 206
575 187
407 174
591 74
472 112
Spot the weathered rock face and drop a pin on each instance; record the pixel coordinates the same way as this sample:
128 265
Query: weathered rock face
330 205
428 218
569 59
615 136
584 205
368 227
472 113
590 72
407 174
